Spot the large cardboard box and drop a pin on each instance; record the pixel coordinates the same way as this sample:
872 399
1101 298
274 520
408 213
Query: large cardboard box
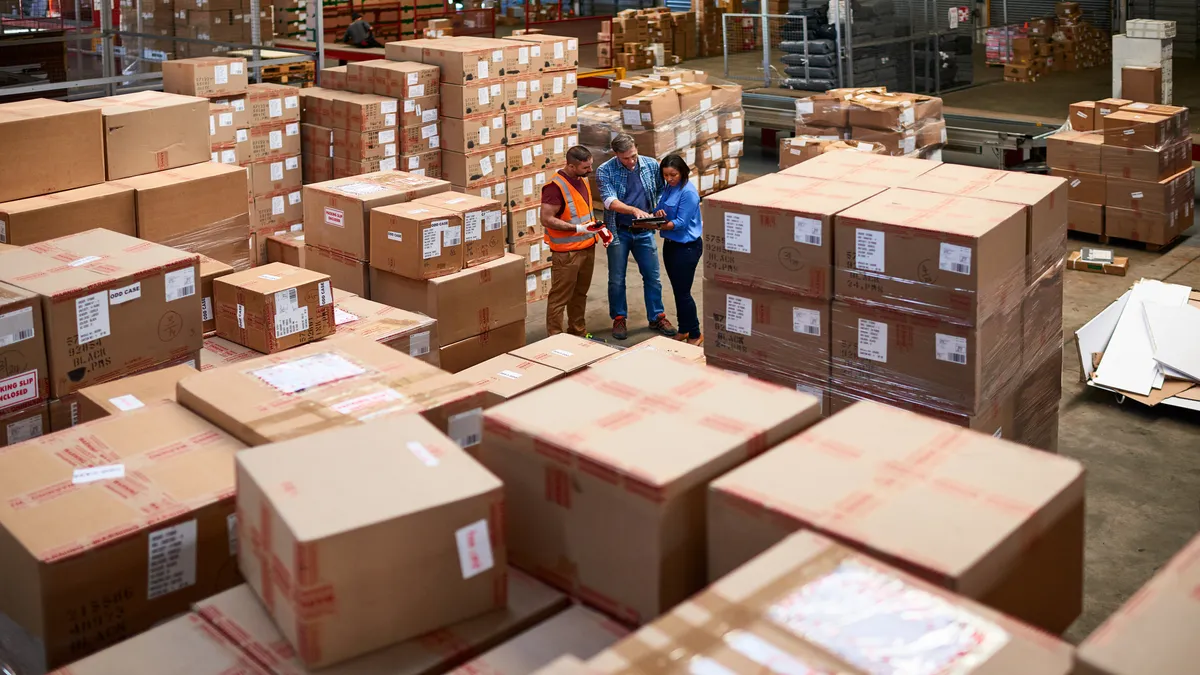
507 376
776 233
1142 83
1136 130
550 52
560 86
336 382
591 510
1146 164
270 102
240 615
863 167
1180 126
754 328
430 516
275 175
893 484
49 146
24 375
957 258
1075 151
407 332
462 60
472 99
483 224
152 131
1151 227
474 169
199 208
273 307
809 604
135 528
577 632
345 272
336 212
1162 196
418 241
402 80
564 352
1088 188
455 357
1154 631
113 305
366 145
218 352
274 140
677 349
207 76
522 125
1087 218
35 219
287 247
210 269
129 393
188 643
471 134
525 190
470 302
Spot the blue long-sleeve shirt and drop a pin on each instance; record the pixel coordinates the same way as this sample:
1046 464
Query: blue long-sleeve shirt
612 177
682 206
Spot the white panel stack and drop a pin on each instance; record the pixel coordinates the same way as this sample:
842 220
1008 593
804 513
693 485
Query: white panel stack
1145 51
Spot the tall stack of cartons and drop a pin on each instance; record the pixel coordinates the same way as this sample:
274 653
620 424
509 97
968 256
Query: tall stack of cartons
275 171
316 129
207 20
222 81
1146 44
709 26
159 18
419 133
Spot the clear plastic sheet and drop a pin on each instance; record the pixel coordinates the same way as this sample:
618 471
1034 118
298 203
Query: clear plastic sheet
673 111
227 241
905 124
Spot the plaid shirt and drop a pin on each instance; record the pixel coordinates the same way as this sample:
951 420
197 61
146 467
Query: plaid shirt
612 176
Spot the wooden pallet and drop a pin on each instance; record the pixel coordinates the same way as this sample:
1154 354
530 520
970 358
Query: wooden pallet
297 69
1132 243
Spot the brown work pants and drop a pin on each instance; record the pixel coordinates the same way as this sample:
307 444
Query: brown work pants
570 277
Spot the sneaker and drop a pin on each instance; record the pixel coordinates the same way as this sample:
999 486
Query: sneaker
620 331
682 337
697 341
663 325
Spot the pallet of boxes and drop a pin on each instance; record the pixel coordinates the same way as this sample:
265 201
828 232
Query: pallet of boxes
510 115
1143 61
871 295
1128 168
870 120
645 38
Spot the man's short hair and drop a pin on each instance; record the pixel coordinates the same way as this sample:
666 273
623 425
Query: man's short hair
623 143
355 16
577 154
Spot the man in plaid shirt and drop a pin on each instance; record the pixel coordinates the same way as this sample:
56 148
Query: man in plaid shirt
630 186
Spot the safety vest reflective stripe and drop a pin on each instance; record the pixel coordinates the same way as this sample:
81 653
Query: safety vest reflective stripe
569 203
577 210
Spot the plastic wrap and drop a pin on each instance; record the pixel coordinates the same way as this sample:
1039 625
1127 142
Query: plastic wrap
227 241
797 149
672 113
905 124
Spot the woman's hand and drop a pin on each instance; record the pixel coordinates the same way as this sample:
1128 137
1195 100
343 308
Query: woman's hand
669 225
660 214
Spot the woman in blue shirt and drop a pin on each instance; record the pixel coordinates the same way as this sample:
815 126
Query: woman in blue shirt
683 242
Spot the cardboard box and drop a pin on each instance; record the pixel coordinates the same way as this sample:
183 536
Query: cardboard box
538 284
271 176
333 77
273 307
116 307
1109 106
527 157
458 356
314 531
465 304
1142 83
419 139
507 376
560 86
561 118
472 99
523 91
241 111
1087 218
473 133
221 129
606 497
391 78
966 476
273 103
525 190
276 213
199 208
1180 127
461 60
778 233
978 245
1145 163
497 190
1136 130
346 168
550 52
207 76
1075 151
577 631
35 219
210 269
1162 196
1150 227
316 106
275 140
18 425
751 328
864 168
807 579
129 393
650 110
524 124
25 377
422 164
152 131
483 224
474 169
72 540
361 146
525 224
316 168
344 271
1083 116
418 241
1118 267
49 146
408 332
238 613
218 352
1083 187
567 353
535 252
417 111
670 347
336 212
344 381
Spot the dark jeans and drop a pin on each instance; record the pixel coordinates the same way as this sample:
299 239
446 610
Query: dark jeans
680 261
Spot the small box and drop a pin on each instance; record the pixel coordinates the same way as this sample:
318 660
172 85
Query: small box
1115 265
1142 83
49 146
365 145
295 501
1075 151
525 224
1083 116
523 91
275 140
275 175
273 103
462 62
1136 130
525 190
418 241
474 169
465 100
535 252
538 284
651 109
524 124
427 164
1109 106
415 112
560 86
1088 188
416 140
483 224
207 76
1087 218
287 248
273 307
407 332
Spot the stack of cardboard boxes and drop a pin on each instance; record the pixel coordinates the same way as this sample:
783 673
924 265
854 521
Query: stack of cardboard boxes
1129 171
217 20
904 124
842 306
416 142
224 82
797 149
347 133
644 38
1143 61
275 163
710 26
1065 42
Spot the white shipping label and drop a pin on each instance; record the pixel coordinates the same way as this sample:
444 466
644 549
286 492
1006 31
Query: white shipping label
631 118
292 129
335 217
738 314
711 123
287 300
91 317
806 321
387 136
277 205
275 108
510 374
23 430
563 353
531 217
237 67
546 274
808 231
526 156
388 107
16 326
416 90
556 86
422 453
737 232
804 107
389 164
951 348
734 126
474 549
1075 183
491 221
572 44
341 316
275 139
451 236
290 102
431 243
243 135
389 120
241 315
530 283
126 403
558 50
526 122
498 55
228 157
539 178
481 69
239 104
559 146
276 171
560 115
522 89
1136 195
705 104
172 565
523 55
429 131
225 119
868 250
294 198
527 186
953 258
485 166
872 340
537 150
118 296
92 474
485 135
206 309
466 428
473 225
290 323
483 96
414 162
498 122
418 344
324 293
180 283
535 51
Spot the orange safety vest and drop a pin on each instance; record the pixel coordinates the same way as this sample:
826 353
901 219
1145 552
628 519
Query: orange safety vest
577 210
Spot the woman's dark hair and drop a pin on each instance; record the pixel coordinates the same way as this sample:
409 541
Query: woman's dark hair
676 162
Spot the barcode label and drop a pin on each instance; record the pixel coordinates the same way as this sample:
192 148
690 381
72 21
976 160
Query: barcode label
16 326
287 300
181 283
808 231
806 321
953 258
466 428
951 348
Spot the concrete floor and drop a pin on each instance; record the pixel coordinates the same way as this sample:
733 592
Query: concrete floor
1144 475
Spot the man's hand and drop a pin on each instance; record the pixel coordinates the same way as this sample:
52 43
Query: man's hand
638 213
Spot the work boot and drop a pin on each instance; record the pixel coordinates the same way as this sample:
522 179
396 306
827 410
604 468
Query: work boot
663 325
697 341
620 330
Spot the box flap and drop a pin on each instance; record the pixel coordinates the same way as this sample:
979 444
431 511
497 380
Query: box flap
509 375
933 213
272 277
187 645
